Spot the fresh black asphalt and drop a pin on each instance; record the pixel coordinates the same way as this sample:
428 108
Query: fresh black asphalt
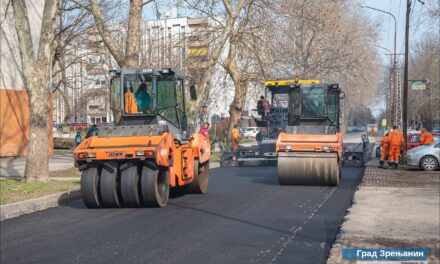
245 217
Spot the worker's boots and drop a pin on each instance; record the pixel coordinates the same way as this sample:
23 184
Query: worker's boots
380 164
390 164
396 165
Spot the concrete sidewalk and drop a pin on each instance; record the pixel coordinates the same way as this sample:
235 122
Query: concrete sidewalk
13 167
392 209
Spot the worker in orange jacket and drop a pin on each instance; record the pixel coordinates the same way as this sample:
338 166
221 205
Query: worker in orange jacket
235 139
426 138
395 139
384 145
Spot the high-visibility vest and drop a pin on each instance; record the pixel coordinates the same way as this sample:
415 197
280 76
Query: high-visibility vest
130 103
235 134
395 138
426 138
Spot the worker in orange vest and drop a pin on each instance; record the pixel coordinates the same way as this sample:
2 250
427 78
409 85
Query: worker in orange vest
235 139
426 138
130 105
395 139
384 145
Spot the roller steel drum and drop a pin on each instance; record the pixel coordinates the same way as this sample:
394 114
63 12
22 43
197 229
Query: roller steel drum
302 168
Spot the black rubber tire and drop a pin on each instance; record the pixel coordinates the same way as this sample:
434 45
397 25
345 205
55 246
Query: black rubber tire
130 187
110 186
429 163
199 185
155 185
90 187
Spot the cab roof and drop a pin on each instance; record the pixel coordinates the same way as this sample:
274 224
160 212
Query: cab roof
281 86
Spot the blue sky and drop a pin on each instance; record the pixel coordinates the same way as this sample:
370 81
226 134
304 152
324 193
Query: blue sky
398 9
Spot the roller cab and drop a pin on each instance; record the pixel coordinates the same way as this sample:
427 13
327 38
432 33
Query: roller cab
149 150
309 150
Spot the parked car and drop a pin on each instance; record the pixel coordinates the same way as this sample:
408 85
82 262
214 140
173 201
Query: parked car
413 140
250 131
78 125
356 130
426 157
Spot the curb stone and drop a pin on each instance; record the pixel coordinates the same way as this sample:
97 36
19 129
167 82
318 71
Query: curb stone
12 210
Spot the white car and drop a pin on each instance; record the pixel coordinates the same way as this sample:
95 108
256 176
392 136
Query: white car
250 131
426 157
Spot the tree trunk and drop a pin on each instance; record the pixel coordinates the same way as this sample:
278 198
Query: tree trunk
230 65
203 89
236 107
37 162
36 72
134 34
66 105
64 93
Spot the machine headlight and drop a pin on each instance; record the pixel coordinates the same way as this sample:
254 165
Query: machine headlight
326 148
288 147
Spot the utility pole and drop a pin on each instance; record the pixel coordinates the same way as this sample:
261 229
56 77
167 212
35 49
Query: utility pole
405 76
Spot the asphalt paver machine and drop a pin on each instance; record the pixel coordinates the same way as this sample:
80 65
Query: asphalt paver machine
271 120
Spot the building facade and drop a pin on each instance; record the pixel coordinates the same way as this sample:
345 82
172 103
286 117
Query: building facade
14 103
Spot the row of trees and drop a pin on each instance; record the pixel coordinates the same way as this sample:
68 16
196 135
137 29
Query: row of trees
424 64
252 40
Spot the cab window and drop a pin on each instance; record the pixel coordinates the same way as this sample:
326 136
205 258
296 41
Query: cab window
166 100
181 103
138 94
115 99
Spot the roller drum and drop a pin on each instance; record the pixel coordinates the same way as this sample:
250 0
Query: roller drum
308 168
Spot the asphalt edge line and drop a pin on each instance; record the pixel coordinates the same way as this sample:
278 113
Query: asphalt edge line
17 209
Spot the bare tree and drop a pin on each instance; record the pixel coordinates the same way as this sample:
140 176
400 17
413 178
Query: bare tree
129 58
330 41
232 10
36 77
243 59
73 29
425 65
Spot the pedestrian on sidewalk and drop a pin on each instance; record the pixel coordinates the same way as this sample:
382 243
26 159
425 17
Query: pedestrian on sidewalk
426 138
395 139
78 138
384 145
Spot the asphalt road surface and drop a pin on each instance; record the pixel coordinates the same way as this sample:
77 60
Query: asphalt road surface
245 217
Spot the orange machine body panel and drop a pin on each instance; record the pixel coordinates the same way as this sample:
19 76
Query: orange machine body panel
310 143
179 158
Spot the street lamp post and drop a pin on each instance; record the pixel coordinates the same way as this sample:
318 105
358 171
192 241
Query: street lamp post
388 95
394 105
